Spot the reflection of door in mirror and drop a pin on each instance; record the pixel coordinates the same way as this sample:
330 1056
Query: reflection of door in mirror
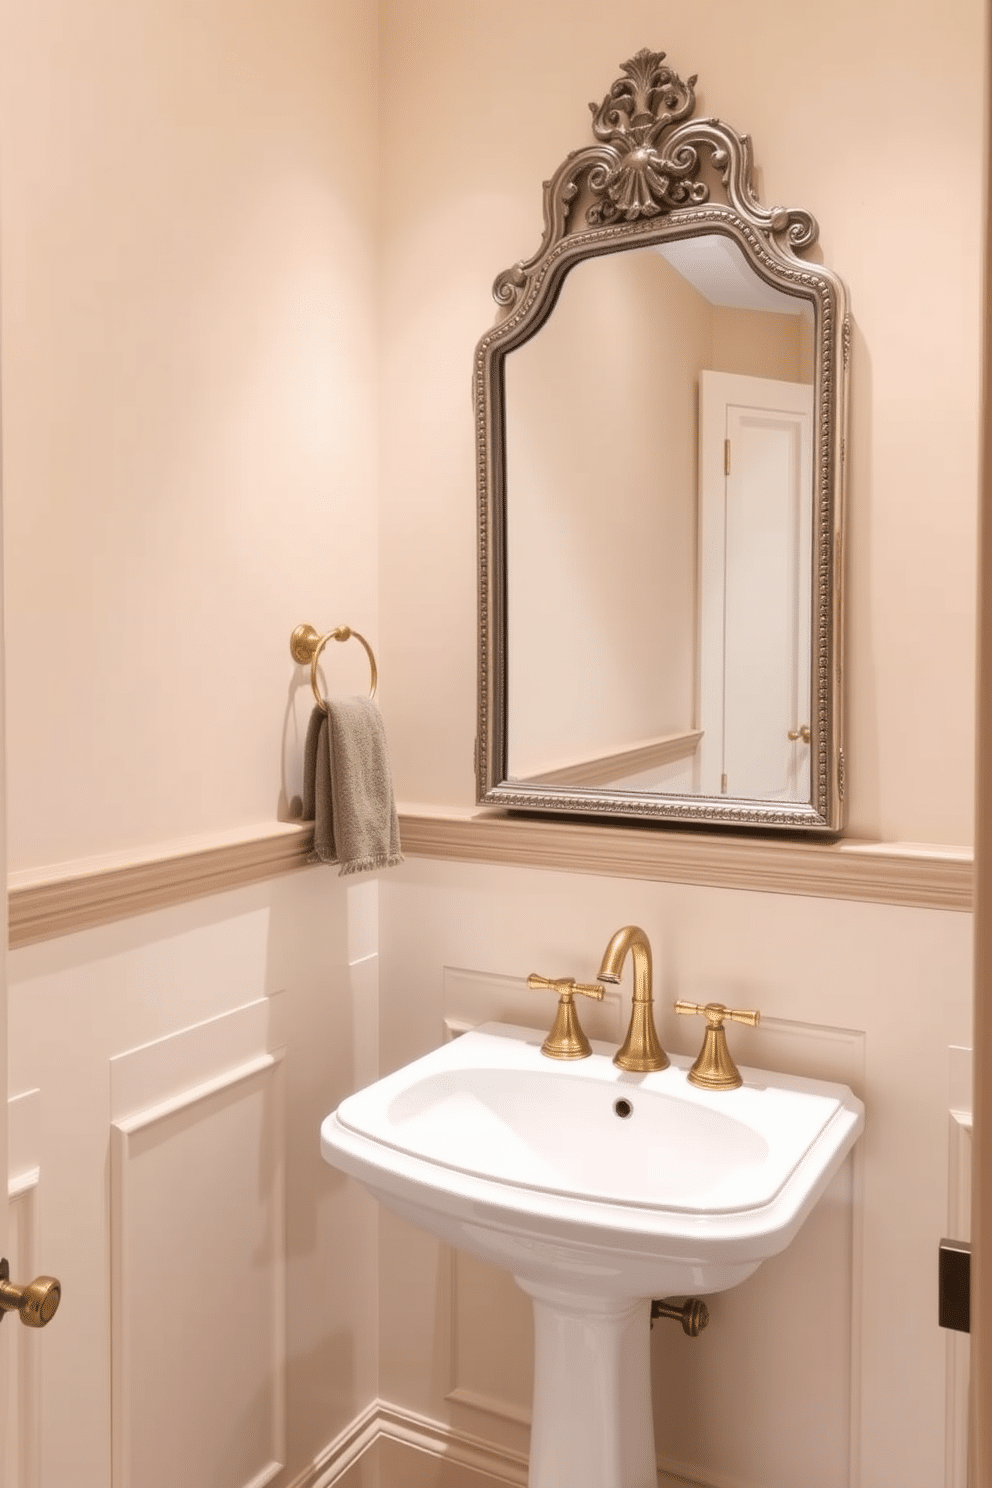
602 512
755 570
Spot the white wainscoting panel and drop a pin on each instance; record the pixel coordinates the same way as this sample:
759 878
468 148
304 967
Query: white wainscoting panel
198 1256
491 1369
23 1345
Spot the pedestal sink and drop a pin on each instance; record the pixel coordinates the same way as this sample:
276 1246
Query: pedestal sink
598 1190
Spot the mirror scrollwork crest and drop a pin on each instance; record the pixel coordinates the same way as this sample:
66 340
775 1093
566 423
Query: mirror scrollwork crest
660 418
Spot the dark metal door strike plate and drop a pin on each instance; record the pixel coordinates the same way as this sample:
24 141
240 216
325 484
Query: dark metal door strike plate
954 1285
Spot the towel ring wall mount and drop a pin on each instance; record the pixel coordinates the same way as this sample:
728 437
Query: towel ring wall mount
306 644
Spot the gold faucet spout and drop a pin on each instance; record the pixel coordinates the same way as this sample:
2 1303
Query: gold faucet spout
640 1050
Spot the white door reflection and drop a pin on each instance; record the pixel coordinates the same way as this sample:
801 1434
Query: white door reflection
755 582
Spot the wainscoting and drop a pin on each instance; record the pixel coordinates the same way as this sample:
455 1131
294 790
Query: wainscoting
197 1252
218 1320
198 1304
165 1164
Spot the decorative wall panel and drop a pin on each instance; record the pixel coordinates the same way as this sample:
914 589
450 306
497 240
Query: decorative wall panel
198 1258
491 1368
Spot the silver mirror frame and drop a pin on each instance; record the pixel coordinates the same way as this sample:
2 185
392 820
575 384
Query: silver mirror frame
655 174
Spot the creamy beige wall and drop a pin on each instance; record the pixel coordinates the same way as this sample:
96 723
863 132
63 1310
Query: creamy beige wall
848 133
188 358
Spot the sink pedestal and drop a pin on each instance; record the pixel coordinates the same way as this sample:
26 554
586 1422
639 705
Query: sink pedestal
592 1423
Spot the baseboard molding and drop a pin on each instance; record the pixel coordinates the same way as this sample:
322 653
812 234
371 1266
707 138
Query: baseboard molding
343 1452
383 1421
418 1433
380 1420
434 1437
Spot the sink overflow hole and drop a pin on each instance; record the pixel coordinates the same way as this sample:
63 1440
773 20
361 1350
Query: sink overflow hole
623 1108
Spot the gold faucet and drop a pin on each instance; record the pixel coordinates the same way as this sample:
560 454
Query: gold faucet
640 1050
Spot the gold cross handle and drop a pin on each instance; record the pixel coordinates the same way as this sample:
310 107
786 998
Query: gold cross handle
715 1069
566 1039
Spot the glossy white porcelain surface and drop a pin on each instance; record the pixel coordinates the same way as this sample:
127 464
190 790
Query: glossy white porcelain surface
525 1161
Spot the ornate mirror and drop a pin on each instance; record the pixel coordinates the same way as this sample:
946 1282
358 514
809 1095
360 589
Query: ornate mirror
660 415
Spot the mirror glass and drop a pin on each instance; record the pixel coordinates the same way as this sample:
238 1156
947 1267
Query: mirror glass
660 413
618 669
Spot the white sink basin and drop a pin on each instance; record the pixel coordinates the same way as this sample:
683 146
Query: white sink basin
598 1189
485 1140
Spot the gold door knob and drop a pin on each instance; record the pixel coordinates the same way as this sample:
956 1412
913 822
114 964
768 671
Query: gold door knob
800 733
37 1303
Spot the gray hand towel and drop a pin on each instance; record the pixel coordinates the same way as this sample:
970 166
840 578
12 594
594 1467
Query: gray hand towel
347 787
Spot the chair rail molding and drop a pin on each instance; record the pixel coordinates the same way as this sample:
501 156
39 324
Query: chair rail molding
921 875
63 898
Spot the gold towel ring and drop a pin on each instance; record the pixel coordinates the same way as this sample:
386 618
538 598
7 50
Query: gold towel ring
306 645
